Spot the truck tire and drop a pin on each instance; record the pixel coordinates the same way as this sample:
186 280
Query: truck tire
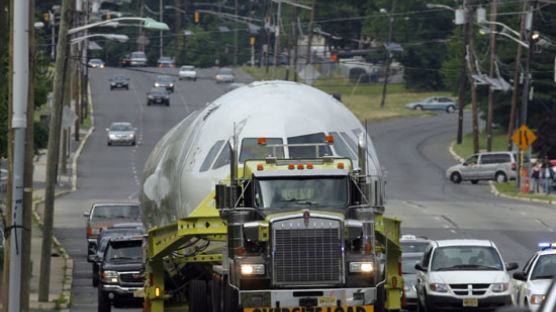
231 303
103 301
380 299
95 275
197 296
216 295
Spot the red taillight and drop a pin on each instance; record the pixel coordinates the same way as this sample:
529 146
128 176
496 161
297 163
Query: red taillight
513 166
399 268
151 279
89 231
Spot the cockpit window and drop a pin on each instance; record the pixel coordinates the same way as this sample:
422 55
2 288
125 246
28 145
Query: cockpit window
308 151
251 149
349 141
310 192
340 146
211 155
224 157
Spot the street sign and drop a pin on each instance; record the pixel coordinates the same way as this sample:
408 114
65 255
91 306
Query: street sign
523 137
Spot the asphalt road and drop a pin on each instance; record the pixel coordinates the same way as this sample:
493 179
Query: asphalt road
113 172
413 151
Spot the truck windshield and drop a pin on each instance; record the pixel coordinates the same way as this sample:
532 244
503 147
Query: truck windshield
280 193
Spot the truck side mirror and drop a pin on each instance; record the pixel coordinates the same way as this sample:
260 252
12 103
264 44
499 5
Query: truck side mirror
86 214
520 276
419 267
511 266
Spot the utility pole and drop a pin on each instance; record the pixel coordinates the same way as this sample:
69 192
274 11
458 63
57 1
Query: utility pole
277 36
161 14
52 20
310 35
388 54
517 72
488 130
53 146
462 70
26 267
471 54
295 39
235 33
20 91
178 47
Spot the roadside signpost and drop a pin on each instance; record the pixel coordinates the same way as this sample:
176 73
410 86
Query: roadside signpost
523 138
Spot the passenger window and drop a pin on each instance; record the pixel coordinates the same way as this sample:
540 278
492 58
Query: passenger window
426 257
251 149
224 157
308 151
340 146
349 141
211 155
472 160
488 159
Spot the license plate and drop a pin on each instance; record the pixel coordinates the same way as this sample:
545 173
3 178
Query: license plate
158 100
361 308
470 302
326 301
119 85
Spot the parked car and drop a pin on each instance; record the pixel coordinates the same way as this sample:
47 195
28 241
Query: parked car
409 274
463 274
107 214
224 75
165 62
119 81
125 61
497 166
158 96
121 133
102 242
441 103
120 273
96 63
164 81
187 72
531 284
138 58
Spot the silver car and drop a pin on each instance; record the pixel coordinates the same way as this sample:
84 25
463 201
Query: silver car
121 133
225 75
187 72
497 166
138 58
441 103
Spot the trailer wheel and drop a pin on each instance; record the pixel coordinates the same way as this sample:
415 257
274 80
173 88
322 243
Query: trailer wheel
380 299
103 301
230 299
216 295
197 296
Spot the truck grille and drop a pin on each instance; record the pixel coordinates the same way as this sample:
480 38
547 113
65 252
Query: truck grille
469 289
131 278
307 254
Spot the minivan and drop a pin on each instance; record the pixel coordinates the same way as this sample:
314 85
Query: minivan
497 166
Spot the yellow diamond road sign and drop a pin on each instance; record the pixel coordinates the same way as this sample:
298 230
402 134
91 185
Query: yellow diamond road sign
523 137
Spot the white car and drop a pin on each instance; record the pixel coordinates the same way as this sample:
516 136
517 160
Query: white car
463 274
532 283
187 72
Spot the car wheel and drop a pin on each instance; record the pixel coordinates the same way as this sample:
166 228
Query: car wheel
450 109
168 103
455 177
127 87
103 301
95 275
194 79
109 143
111 88
148 103
500 177
419 107
133 143
474 181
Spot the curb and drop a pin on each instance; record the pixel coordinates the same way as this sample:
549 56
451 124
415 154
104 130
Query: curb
63 300
495 191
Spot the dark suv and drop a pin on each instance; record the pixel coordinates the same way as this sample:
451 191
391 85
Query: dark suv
120 273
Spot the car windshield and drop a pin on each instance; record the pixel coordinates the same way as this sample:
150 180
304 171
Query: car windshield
116 212
164 59
105 236
159 91
408 264
138 54
129 250
121 127
187 68
414 246
164 78
225 71
95 61
457 258
119 77
302 192
545 267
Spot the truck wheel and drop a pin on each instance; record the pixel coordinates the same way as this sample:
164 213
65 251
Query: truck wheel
380 299
197 296
230 299
216 295
103 301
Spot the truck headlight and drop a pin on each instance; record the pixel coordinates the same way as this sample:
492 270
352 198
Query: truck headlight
252 269
156 84
500 287
438 287
361 267
112 136
171 85
110 277
537 299
151 97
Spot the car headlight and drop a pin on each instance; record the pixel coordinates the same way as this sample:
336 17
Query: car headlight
361 267
113 83
537 299
151 97
156 84
132 135
252 269
171 85
101 66
439 287
110 277
112 136
500 287
217 76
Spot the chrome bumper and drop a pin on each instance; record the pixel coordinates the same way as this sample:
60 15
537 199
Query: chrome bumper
117 289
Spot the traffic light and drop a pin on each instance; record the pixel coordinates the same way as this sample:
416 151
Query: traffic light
46 17
197 17
108 16
252 41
